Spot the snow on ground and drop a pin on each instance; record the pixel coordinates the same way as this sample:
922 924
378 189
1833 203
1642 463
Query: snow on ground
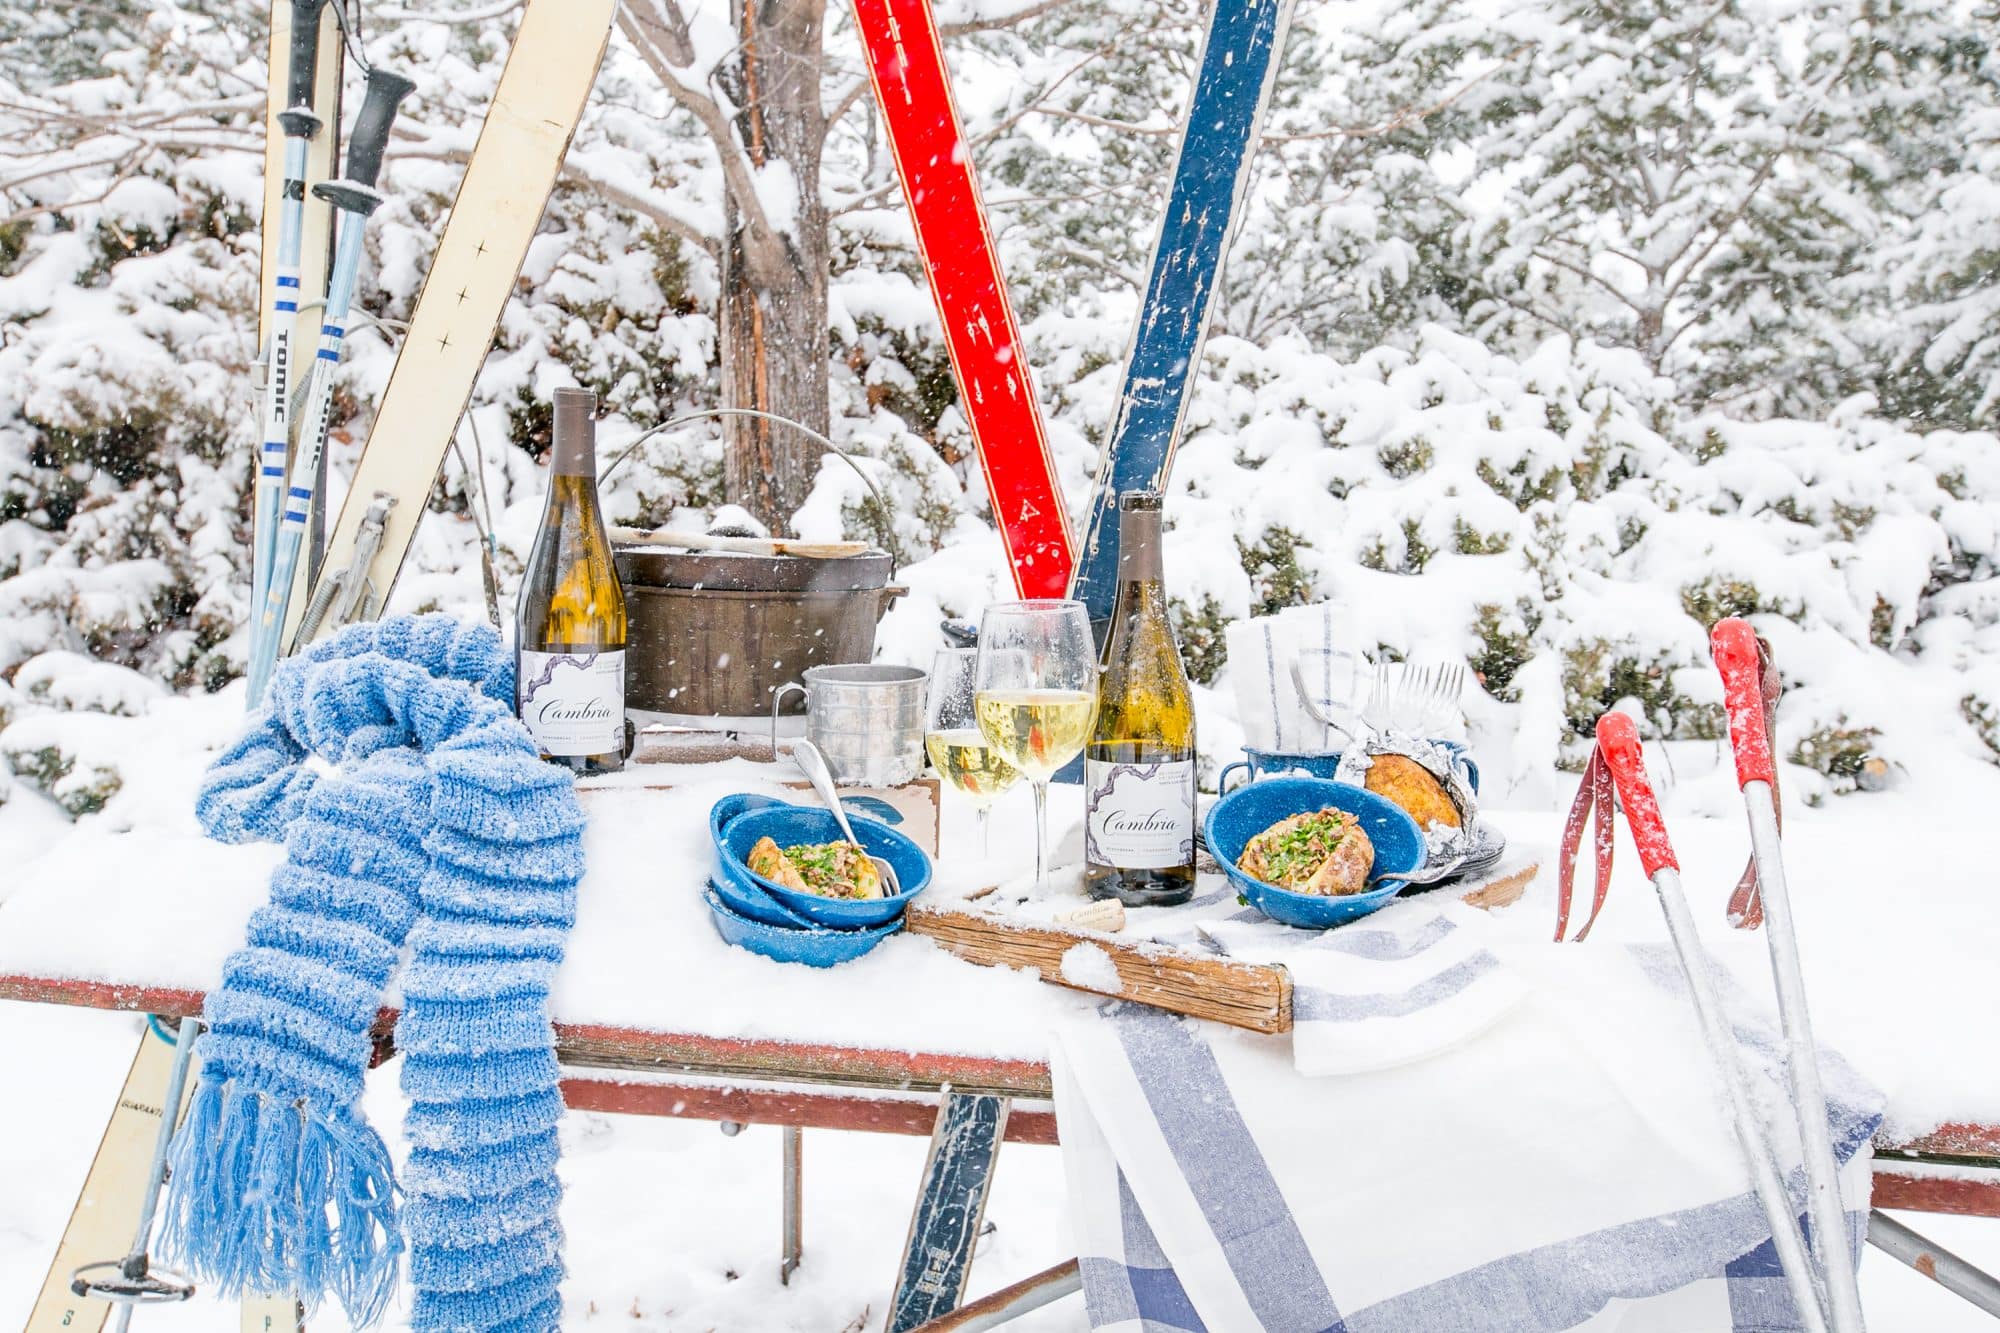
1893 894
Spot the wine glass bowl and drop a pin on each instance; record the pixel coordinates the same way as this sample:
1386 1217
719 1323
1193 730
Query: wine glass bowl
965 760
1035 694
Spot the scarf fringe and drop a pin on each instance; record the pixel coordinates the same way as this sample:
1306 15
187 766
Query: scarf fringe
272 1197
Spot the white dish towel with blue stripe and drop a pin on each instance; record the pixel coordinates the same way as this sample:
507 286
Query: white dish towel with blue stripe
1500 1136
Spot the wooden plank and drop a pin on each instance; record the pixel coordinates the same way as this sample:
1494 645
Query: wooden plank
1972 1146
951 1205
1937 1194
1954 1140
595 1046
1257 996
107 1209
784 1106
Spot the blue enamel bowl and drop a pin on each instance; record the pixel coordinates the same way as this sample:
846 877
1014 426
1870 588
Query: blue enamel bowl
1244 813
737 829
814 947
741 892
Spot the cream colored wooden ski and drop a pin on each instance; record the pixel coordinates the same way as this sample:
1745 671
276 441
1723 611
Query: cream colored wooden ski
514 166
100 1226
272 1314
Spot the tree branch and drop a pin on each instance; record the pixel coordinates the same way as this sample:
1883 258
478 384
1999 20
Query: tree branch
494 11
1408 115
1583 271
659 37
1722 228
125 173
670 223
1013 20
1121 126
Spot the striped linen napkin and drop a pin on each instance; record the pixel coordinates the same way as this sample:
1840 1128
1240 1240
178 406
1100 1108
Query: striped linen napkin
1261 653
1504 1136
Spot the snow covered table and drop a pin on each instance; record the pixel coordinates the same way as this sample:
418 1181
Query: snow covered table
655 1015
669 1020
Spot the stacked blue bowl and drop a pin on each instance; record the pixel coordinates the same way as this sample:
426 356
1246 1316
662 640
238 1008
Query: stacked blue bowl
789 925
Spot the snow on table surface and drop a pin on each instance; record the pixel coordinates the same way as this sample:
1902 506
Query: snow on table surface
1894 894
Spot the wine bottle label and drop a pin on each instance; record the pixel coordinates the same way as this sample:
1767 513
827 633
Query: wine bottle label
1139 816
574 703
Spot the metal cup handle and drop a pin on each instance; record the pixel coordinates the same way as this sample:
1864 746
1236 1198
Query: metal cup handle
1222 778
777 701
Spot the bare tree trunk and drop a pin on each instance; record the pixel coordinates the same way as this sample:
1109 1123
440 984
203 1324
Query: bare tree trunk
774 261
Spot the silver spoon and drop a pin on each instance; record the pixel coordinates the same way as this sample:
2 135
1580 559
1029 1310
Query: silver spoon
813 765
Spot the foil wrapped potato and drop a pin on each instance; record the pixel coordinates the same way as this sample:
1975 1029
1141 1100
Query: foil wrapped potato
1401 779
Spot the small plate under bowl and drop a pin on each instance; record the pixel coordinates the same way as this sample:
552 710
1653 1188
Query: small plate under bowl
735 833
814 948
1244 813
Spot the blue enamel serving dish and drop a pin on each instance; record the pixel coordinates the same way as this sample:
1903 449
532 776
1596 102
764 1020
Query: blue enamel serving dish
814 947
736 825
1244 813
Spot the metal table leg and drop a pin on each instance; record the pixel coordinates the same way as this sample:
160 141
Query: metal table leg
794 1247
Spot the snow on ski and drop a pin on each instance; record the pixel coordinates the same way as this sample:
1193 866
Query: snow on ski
514 164
906 66
1232 90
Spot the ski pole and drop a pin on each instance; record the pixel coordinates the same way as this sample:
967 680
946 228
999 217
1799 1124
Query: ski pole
355 197
301 125
1940 1265
1618 741
133 1280
1735 647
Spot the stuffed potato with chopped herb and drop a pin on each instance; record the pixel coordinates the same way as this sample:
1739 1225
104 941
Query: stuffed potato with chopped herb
829 869
1323 852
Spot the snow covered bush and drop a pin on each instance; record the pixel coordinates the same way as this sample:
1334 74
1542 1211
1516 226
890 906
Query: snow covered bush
1553 332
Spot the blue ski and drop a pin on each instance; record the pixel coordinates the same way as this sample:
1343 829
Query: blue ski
1239 64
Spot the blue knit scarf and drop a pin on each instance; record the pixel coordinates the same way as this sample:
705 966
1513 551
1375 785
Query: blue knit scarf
436 828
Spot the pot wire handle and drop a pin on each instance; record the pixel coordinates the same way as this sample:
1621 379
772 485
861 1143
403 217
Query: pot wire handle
882 511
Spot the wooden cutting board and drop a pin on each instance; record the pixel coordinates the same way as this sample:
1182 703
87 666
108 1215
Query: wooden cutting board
1257 996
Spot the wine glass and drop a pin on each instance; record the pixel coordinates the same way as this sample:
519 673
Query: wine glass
967 763
1036 695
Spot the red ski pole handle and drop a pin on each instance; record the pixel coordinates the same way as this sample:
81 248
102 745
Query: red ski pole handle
1618 741
1734 645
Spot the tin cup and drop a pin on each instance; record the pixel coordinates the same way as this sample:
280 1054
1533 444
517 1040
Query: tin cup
868 721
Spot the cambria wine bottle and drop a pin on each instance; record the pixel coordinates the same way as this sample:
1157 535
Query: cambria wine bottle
569 624
1138 768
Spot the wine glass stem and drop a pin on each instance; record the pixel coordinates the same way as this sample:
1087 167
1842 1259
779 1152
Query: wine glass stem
1041 837
985 834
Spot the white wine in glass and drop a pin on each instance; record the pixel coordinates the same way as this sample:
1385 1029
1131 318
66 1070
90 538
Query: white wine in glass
966 761
1038 731
1037 695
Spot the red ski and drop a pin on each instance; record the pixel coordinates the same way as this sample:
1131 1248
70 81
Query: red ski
906 66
